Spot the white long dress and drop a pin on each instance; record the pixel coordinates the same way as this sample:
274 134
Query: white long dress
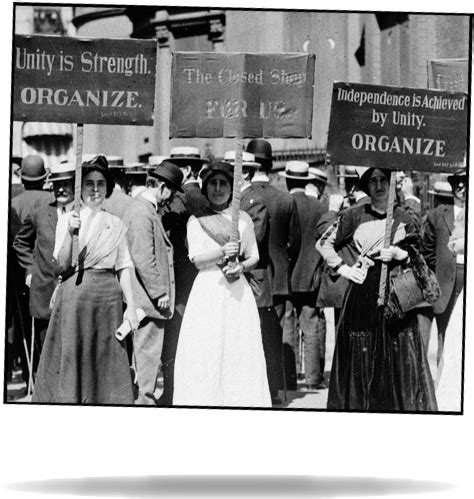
449 386
219 359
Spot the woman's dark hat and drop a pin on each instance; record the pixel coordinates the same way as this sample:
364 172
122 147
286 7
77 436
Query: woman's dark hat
214 168
169 173
365 177
32 168
99 164
262 150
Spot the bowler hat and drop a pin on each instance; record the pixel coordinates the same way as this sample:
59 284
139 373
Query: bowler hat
262 150
62 171
169 173
297 170
32 168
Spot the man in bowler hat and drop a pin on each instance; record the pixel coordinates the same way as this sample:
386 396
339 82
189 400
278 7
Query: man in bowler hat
177 211
153 280
284 236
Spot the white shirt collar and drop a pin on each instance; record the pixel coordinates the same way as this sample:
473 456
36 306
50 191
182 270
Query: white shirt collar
260 177
297 189
149 197
409 196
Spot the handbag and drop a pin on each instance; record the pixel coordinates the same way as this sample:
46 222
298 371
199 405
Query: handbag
412 287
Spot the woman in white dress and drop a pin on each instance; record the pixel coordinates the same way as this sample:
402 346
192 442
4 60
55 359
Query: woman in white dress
219 359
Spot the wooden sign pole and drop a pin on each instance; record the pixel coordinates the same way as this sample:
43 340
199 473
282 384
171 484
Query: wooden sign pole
388 230
77 188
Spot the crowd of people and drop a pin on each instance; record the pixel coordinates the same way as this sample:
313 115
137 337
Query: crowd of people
233 321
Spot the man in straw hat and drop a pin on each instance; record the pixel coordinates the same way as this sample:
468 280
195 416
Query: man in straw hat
175 217
284 235
448 266
317 185
304 279
153 280
34 245
259 278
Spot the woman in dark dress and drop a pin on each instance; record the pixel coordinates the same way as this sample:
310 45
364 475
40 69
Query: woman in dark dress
379 363
82 362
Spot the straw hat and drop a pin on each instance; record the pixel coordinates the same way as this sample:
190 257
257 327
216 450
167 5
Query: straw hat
248 159
319 174
61 171
441 188
297 170
186 156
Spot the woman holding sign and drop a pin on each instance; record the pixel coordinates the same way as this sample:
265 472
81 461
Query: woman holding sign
379 359
220 360
82 362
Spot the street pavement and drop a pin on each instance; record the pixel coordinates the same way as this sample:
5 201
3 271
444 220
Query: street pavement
299 399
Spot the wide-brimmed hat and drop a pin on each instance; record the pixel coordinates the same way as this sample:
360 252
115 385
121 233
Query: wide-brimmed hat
186 156
349 172
32 168
365 173
169 173
441 188
248 159
319 174
456 177
262 150
62 171
297 170
213 169
136 169
154 161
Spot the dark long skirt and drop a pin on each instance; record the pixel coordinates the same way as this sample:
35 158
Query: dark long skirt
378 366
82 362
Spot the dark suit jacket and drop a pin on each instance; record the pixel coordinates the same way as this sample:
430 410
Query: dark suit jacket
437 228
304 276
118 204
34 246
194 200
152 255
175 218
332 286
255 205
284 235
23 203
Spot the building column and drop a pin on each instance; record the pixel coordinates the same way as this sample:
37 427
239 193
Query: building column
161 142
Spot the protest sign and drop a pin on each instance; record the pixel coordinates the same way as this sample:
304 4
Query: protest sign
237 94
74 80
396 127
449 74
